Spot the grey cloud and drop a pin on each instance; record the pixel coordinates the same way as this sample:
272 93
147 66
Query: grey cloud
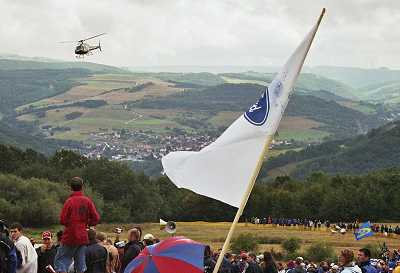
224 32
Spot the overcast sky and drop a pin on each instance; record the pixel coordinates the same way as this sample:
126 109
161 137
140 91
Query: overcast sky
359 33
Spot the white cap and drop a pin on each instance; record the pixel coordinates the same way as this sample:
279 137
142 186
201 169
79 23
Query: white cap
148 236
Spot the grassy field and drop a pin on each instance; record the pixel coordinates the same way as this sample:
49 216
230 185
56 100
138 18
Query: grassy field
109 88
214 234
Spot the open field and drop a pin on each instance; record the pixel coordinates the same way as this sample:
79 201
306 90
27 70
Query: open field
214 234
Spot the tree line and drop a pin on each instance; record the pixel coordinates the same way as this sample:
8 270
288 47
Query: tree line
32 183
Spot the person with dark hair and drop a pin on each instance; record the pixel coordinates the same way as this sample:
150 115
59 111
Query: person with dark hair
46 252
96 255
112 264
323 267
8 255
346 259
77 215
132 248
281 267
209 262
253 265
59 237
269 265
25 248
363 261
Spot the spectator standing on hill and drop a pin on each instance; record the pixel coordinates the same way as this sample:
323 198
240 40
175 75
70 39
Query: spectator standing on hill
46 252
299 265
281 267
25 248
148 239
59 237
132 248
346 259
209 262
96 255
269 266
253 265
77 215
112 264
8 255
363 261
323 267
397 267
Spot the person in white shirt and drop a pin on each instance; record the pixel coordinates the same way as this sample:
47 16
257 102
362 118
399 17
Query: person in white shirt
346 261
25 247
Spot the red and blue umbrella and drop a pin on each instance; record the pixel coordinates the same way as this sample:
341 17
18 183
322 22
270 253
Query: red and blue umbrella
173 255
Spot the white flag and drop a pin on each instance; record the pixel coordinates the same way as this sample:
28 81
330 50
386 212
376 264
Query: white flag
222 170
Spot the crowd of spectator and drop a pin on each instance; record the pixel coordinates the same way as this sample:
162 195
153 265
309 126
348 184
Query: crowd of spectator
79 248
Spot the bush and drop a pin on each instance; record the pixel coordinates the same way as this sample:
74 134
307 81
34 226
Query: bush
320 251
246 242
291 245
376 250
269 240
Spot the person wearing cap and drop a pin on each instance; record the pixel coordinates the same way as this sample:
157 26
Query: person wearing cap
77 215
299 262
46 252
148 239
334 268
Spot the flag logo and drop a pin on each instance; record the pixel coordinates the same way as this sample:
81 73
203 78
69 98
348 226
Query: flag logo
365 230
258 113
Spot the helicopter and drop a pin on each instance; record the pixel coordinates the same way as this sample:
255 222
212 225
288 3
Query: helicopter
82 48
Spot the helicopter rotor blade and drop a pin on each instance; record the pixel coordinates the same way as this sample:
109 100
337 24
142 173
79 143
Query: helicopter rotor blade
93 37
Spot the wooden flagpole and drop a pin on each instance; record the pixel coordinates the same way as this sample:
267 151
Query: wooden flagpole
254 176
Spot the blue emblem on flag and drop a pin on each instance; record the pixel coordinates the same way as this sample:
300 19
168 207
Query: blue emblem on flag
364 231
258 113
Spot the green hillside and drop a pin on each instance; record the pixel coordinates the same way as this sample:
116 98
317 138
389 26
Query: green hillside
12 64
307 82
388 92
357 77
378 149
21 137
338 120
19 87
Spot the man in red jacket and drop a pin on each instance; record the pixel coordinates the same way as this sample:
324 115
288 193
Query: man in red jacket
77 215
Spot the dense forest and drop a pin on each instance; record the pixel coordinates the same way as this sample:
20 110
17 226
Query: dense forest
32 182
24 86
365 153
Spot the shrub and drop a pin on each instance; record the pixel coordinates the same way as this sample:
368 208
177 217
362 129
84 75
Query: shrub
376 250
245 241
320 251
291 245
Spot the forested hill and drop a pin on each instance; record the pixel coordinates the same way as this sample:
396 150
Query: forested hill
15 64
378 149
340 121
121 195
26 86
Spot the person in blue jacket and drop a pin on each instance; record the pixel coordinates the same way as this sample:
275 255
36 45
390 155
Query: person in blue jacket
363 261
